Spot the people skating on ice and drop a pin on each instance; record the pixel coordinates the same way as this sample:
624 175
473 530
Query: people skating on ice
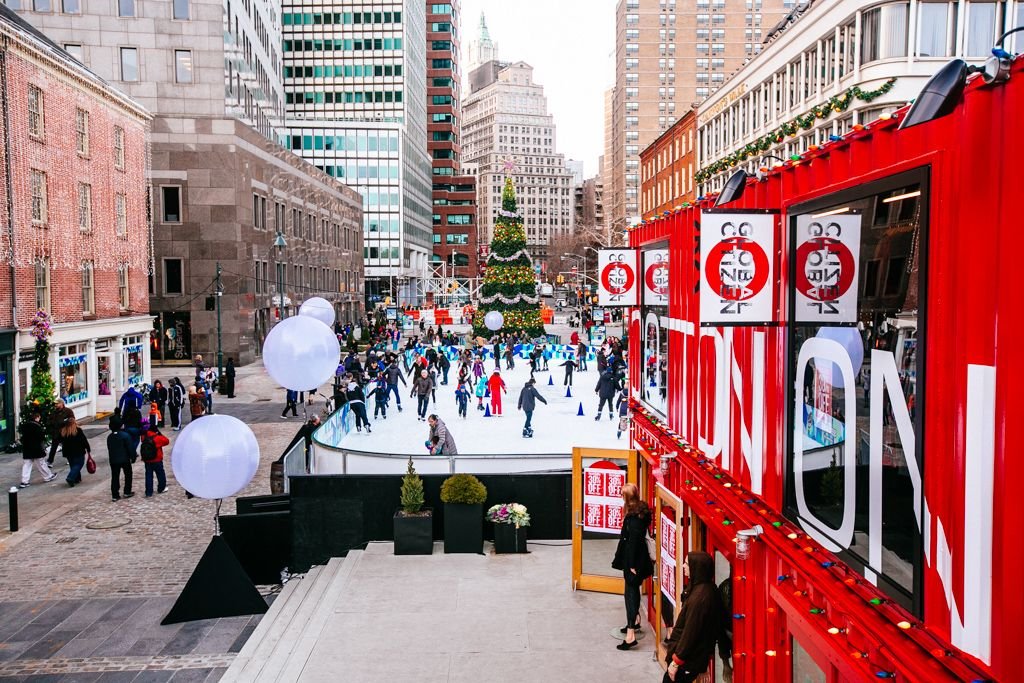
496 385
581 353
481 392
528 398
570 366
462 398
421 389
357 405
606 388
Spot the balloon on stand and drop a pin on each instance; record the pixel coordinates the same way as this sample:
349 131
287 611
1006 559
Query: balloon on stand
849 338
494 320
319 309
215 457
301 353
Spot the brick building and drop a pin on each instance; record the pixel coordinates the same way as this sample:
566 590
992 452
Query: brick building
667 166
76 232
455 236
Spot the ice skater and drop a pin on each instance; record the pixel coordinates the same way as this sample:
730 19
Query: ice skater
481 392
462 398
393 375
380 396
497 385
528 398
478 368
569 366
421 388
623 405
510 357
605 390
357 405
581 352
441 440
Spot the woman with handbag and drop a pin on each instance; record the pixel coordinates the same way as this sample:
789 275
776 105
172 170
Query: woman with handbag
700 625
632 557
75 448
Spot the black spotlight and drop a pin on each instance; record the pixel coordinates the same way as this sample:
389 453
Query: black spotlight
733 189
940 94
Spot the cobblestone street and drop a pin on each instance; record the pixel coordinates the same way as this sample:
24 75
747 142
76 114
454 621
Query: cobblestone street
86 581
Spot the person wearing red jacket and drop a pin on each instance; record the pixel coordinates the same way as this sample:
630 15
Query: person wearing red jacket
575 338
156 464
496 385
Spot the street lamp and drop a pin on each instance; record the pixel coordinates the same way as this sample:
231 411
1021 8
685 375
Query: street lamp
280 245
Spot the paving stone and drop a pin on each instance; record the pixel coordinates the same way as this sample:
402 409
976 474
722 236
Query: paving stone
191 675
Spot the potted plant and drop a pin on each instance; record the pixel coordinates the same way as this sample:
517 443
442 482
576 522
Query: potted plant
463 496
510 522
414 526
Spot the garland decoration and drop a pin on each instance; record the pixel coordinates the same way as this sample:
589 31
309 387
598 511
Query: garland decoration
834 105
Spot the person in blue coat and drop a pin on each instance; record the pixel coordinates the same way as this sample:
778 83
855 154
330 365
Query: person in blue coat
291 398
131 398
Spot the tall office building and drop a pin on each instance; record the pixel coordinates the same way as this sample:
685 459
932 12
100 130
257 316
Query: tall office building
210 72
456 246
481 49
356 95
668 57
508 130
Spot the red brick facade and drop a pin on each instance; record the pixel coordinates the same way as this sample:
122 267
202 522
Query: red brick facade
59 237
454 195
667 168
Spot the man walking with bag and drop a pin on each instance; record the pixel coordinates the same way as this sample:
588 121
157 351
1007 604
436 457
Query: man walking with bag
33 450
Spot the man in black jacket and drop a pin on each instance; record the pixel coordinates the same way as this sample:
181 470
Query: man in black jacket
33 449
121 454
393 374
528 398
605 390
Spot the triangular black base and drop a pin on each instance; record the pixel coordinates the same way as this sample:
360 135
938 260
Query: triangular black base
218 587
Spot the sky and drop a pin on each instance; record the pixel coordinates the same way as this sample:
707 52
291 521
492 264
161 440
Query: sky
570 44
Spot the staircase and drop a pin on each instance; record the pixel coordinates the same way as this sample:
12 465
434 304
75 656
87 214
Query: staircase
279 647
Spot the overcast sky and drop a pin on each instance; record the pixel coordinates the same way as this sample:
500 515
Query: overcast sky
570 44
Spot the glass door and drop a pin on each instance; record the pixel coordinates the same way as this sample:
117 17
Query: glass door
598 475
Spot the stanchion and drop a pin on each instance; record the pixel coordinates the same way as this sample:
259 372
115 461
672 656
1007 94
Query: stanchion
12 505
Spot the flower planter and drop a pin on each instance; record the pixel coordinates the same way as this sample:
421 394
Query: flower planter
463 528
414 534
508 538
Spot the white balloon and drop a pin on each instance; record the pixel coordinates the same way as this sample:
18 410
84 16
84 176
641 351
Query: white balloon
301 353
494 320
849 338
318 308
215 456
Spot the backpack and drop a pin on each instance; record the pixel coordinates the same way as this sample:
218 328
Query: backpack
148 449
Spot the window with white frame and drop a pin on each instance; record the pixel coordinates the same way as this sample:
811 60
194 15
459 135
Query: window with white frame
122 287
88 290
121 211
43 284
85 207
119 148
36 122
82 131
37 184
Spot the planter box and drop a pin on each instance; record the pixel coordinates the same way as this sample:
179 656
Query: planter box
414 535
463 528
509 539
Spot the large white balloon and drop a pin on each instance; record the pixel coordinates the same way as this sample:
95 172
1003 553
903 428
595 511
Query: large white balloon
301 353
319 309
494 320
215 456
849 338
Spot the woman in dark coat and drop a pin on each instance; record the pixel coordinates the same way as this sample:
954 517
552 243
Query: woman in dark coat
700 624
75 447
632 558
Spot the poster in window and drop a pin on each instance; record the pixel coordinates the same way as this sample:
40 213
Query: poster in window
602 497
736 255
656 277
667 556
826 267
617 281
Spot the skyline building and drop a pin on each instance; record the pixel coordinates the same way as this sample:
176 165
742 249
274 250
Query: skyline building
508 131
356 99
222 186
669 56
481 49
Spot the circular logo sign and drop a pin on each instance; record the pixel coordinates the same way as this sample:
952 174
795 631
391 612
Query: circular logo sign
737 269
656 278
617 278
824 269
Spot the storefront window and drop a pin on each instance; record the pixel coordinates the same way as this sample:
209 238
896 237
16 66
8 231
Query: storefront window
654 328
103 372
133 361
855 338
74 373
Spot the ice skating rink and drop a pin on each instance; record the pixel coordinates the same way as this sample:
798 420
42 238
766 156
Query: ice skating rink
557 427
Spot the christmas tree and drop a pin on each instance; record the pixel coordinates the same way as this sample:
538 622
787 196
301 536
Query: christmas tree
509 286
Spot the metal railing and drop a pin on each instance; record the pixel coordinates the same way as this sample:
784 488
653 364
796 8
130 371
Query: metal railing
294 463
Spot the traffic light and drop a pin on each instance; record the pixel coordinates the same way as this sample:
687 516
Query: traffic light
560 279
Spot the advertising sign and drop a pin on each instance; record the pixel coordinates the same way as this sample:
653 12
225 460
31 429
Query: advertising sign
667 554
392 313
656 277
617 281
826 268
736 254
602 497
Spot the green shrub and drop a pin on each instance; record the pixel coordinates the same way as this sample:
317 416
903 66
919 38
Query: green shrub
412 490
463 489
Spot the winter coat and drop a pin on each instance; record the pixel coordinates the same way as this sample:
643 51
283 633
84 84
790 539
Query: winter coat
119 449
701 619
443 361
575 338
393 375
445 442
631 552
132 397
33 440
496 384
462 394
606 386
528 398
158 395
159 440
176 395
623 404
569 365
354 395
581 350
74 446
422 386
481 387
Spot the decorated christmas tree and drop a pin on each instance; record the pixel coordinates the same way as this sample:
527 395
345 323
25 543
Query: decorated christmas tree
509 286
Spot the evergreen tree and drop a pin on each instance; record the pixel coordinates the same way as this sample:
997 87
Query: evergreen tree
412 490
509 286
43 394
